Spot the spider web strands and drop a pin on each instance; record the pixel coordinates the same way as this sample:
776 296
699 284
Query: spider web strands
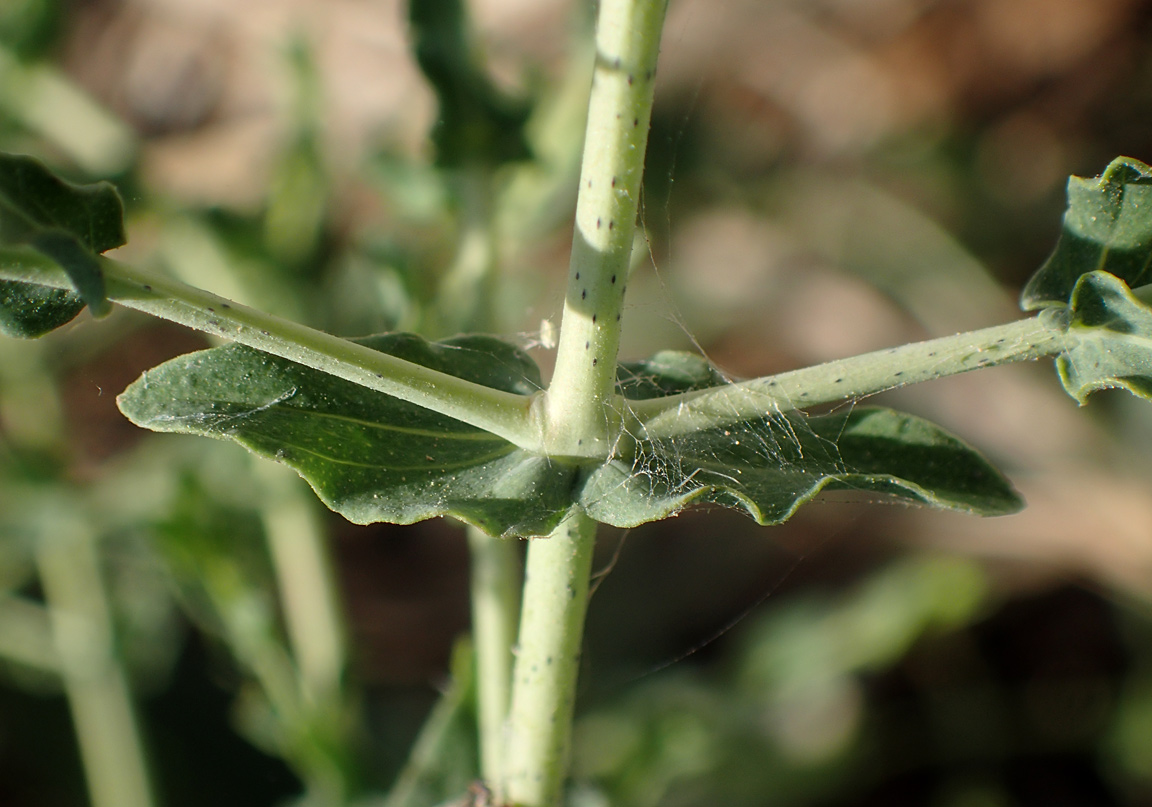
849 379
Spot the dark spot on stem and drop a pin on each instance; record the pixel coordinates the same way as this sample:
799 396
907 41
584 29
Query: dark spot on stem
617 317
225 305
577 275
838 380
613 279
631 78
593 318
585 345
635 121
594 361
211 310
147 287
611 224
899 373
584 294
597 224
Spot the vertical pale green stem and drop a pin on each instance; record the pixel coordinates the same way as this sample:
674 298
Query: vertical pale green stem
547 663
304 577
579 421
495 613
466 296
94 680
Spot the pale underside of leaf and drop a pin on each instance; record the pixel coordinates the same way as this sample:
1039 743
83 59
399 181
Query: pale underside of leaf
1110 340
1107 227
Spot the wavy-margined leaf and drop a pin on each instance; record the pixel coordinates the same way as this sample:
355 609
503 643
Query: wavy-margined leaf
368 456
770 466
1107 226
1110 339
70 224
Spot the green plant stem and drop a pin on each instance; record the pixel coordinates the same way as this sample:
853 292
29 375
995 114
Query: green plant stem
496 580
94 679
547 663
502 413
851 378
580 418
466 297
306 584
26 635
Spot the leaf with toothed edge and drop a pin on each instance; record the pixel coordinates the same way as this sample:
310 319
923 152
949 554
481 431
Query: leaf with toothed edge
769 466
368 456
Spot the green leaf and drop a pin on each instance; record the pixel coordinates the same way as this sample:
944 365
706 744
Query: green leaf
368 456
28 311
477 125
769 466
36 200
1111 340
1107 226
71 224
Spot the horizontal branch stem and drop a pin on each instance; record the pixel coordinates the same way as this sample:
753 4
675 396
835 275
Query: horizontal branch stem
504 414
851 378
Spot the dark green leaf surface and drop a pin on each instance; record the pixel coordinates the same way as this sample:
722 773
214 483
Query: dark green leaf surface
368 456
1111 340
35 200
769 466
477 125
1107 226
28 311
71 224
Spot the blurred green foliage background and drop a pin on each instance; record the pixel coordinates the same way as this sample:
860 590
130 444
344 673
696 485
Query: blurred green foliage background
825 177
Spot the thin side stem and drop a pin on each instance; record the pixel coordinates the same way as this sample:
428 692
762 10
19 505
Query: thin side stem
496 580
547 662
306 583
502 413
581 421
94 679
851 378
